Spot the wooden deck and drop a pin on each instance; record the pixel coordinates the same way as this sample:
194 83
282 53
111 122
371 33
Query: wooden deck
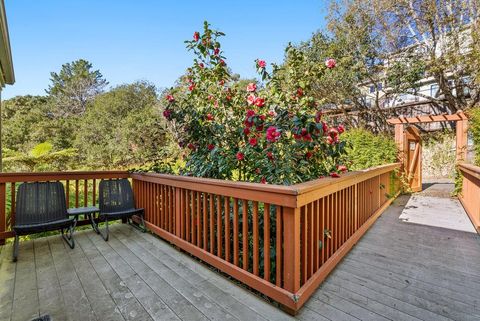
398 271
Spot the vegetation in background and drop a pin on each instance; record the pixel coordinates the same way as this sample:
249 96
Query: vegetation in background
438 154
474 128
365 149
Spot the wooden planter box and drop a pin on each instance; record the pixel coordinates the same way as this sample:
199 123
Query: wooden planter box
282 241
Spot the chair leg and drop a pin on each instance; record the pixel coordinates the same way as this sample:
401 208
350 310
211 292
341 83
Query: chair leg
68 237
15 248
104 236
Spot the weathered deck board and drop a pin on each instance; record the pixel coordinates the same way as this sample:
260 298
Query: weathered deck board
398 271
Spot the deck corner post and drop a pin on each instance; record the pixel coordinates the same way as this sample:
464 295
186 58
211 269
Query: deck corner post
291 244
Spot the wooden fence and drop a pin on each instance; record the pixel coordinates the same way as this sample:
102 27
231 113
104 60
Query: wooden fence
80 188
470 194
281 241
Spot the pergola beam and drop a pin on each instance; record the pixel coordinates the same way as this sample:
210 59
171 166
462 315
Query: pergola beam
427 119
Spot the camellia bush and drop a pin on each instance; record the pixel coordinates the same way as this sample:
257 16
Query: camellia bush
269 132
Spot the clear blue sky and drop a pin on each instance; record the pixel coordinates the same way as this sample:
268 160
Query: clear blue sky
131 40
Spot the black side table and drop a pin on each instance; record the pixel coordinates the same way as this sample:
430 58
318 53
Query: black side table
89 211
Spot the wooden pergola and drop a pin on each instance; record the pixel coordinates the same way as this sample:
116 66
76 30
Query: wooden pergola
408 142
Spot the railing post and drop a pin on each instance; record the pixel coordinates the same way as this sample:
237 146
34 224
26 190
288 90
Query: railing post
355 205
178 212
3 216
291 245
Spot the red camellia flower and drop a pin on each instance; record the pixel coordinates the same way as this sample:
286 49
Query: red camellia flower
170 98
304 131
261 64
308 155
307 138
246 131
330 63
191 87
250 113
342 168
222 62
273 134
324 127
329 140
253 142
251 87
259 102
334 175
299 92
209 116
167 113
270 155
201 65
272 113
340 128
221 82
318 116
263 180
240 156
251 99
216 51
191 146
210 146
196 35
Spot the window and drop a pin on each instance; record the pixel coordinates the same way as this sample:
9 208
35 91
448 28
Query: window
434 90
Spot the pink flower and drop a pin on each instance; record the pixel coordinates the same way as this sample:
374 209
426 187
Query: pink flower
334 175
209 116
342 168
210 146
251 87
253 142
251 99
261 64
340 128
216 51
196 35
240 156
170 98
259 102
330 63
273 134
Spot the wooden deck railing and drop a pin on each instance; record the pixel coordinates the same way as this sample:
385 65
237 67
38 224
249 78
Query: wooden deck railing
80 188
470 194
282 241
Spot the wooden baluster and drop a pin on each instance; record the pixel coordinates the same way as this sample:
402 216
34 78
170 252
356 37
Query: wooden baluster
205 221
245 234
227 228
85 193
178 212
315 238
67 193
199 220
212 224
76 193
94 192
219 226
303 235
194 218
256 249
278 247
187 218
235 232
291 261
266 242
321 232
12 205
311 255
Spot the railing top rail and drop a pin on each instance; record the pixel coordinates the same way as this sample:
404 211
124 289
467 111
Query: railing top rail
470 169
53 176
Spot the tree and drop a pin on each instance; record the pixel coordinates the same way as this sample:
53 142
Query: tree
76 85
123 127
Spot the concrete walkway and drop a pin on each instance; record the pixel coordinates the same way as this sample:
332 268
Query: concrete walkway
435 206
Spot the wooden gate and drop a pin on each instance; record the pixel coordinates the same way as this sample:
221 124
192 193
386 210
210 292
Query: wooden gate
413 158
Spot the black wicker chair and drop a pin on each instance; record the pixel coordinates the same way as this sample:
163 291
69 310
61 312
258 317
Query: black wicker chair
116 202
42 207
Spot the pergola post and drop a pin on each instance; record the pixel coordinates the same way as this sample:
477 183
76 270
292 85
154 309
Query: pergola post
400 141
462 140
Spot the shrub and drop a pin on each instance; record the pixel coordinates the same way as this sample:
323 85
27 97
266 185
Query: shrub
365 149
267 132
474 118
